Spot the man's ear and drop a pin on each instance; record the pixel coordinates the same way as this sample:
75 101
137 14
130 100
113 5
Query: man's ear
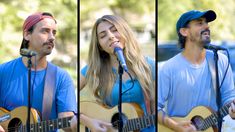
27 35
183 32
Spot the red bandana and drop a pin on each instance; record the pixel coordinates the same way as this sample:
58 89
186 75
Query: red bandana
34 19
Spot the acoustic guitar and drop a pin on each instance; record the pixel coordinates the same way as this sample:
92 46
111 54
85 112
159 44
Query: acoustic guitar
16 120
132 114
205 121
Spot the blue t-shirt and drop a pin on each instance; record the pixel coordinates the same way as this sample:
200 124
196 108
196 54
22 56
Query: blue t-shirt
183 85
14 88
134 95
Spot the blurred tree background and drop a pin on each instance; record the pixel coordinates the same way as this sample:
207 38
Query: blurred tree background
14 12
140 15
170 10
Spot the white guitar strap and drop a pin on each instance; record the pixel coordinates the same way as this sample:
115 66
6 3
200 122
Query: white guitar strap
49 91
211 65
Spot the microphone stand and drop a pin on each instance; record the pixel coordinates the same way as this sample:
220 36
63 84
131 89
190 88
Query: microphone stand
120 123
29 91
218 95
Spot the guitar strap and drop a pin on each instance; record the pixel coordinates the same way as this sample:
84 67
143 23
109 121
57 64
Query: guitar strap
49 90
211 65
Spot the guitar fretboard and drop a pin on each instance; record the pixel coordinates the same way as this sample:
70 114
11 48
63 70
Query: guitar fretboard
139 123
212 119
49 125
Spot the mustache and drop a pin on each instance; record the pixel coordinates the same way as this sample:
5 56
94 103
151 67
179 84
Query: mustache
49 43
206 30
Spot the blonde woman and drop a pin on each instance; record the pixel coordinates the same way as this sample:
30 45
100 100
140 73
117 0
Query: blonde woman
101 72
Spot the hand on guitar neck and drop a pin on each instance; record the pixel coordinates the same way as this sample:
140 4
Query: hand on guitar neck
177 126
74 124
232 110
95 125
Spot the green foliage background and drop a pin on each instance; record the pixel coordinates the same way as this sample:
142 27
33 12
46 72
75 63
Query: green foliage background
124 8
170 10
133 11
14 12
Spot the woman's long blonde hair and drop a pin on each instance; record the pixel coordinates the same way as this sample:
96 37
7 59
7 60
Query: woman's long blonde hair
100 76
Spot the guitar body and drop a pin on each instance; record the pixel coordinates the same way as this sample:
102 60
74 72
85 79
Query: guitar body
204 112
16 117
16 120
105 114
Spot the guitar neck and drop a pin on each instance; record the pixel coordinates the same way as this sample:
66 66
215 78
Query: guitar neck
213 118
139 123
49 125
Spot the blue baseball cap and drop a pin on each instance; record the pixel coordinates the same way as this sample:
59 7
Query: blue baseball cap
193 15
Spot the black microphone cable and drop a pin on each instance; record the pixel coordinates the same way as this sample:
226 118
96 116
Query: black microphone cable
132 80
226 68
35 72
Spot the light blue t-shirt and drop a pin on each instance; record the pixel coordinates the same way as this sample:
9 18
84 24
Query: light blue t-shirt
134 95
14 88
183 86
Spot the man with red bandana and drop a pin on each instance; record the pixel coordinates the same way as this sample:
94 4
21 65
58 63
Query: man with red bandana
39 31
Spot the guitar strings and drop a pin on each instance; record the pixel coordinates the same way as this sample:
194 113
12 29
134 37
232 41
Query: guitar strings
19 126
16 128
116 123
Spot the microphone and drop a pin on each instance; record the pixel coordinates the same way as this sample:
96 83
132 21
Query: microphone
119 53
213 47
27 52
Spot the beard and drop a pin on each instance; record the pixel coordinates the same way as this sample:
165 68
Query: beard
205 40
205 37
48 47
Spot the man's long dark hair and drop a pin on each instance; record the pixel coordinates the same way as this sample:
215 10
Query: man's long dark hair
181 40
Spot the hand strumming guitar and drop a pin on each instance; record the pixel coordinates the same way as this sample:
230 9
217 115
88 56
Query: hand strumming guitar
185 126
176 126
95 125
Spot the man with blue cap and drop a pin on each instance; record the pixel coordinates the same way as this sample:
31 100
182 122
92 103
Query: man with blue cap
185 81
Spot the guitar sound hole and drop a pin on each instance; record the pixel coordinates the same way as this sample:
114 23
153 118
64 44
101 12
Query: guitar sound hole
115 120
198 122
14 125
